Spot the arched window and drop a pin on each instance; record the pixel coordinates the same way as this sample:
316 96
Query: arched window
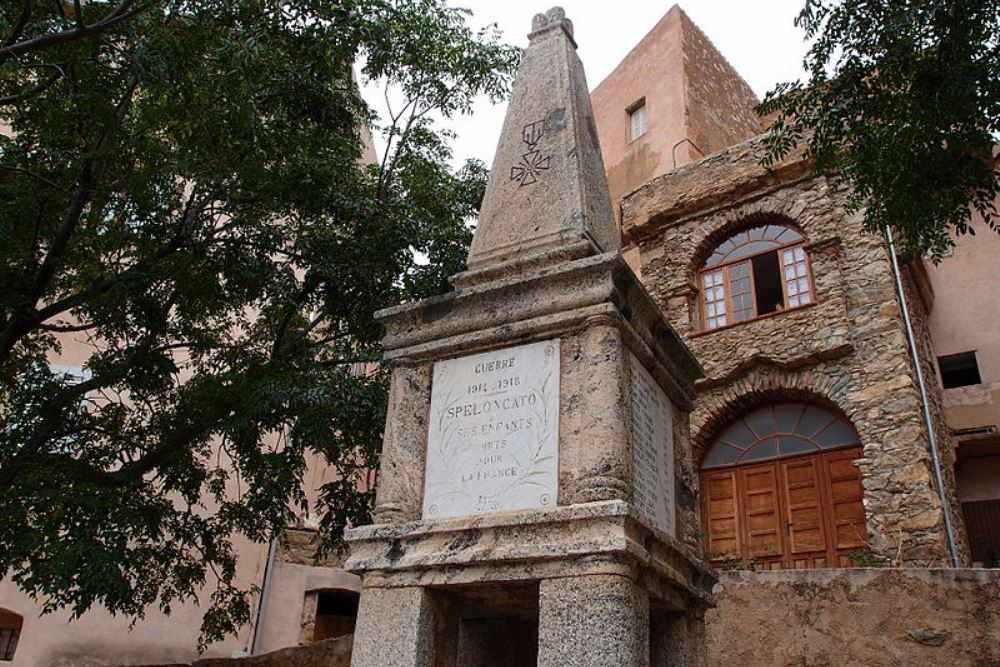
10 632
777 431
779 489
755 272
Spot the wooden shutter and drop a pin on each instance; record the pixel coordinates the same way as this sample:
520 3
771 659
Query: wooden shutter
982 523
719 507
848 511
759 491
807 536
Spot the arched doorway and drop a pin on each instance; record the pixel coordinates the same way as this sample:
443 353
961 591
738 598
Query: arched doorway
779 490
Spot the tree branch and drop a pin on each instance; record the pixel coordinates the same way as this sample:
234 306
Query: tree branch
22 21
20 322
81 31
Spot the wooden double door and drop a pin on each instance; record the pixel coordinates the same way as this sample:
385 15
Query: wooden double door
791 513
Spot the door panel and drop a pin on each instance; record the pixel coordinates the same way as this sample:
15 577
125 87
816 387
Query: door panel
720 512
848 511
803 506
759 485
802 512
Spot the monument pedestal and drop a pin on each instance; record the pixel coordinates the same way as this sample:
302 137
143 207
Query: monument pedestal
580 575
526 511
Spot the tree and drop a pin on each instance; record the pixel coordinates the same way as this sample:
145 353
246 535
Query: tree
903 101
182 192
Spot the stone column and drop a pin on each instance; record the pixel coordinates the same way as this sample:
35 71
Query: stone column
395 628
399 496
677 639
593 621
595 439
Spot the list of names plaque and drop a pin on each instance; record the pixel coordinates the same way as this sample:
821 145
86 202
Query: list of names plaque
653 449
493 438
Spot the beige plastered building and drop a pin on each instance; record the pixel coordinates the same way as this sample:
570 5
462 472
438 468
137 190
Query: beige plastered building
810 439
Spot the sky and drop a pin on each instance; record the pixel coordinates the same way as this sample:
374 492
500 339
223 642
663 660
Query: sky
757 37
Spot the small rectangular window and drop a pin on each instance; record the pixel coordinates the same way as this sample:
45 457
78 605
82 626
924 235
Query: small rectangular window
959 370
637 121
8 643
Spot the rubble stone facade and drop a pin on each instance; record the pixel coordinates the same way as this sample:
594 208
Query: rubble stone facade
847 351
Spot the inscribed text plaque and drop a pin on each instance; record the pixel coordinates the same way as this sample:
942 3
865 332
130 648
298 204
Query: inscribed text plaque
652 449
493 439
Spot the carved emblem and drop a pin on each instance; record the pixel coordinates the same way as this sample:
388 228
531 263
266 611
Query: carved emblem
532 162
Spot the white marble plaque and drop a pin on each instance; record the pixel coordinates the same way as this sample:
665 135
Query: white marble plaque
493 440
652 449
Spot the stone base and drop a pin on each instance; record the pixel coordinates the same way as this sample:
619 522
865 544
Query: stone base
577 585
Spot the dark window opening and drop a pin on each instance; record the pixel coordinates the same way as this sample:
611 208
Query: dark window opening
755 273
336 614
767 283
10 632
959 370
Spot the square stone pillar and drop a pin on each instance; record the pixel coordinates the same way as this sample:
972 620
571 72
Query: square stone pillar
396 628
593 621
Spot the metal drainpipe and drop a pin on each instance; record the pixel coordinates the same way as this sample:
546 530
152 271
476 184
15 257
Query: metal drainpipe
925 404
265 590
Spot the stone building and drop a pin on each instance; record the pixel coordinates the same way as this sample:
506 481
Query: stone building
808 441
811 444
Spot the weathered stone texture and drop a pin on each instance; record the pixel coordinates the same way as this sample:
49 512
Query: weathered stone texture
848 350
872 617
719 102
547 187
299 546
593 621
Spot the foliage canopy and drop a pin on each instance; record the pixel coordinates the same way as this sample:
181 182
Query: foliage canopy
903 100
184 206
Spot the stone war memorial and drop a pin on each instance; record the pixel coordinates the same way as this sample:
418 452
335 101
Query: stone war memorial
527 508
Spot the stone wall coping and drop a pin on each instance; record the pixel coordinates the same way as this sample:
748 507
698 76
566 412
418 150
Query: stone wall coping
536 544
969 577
719 178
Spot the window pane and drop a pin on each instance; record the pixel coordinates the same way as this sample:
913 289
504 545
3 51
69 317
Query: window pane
738 435
836 434
637 122
721 455
813 419
761 421
786 416
765 449
714 298
790 446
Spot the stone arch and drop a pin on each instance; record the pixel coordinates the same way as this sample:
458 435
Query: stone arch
718 411
737 221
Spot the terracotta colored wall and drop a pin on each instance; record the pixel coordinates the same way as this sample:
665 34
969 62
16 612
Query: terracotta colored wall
964 318
872 617
691 92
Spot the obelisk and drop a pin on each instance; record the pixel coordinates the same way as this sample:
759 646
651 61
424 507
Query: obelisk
526 511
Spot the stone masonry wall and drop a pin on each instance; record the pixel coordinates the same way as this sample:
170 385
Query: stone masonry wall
846 351
719 103
872 617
